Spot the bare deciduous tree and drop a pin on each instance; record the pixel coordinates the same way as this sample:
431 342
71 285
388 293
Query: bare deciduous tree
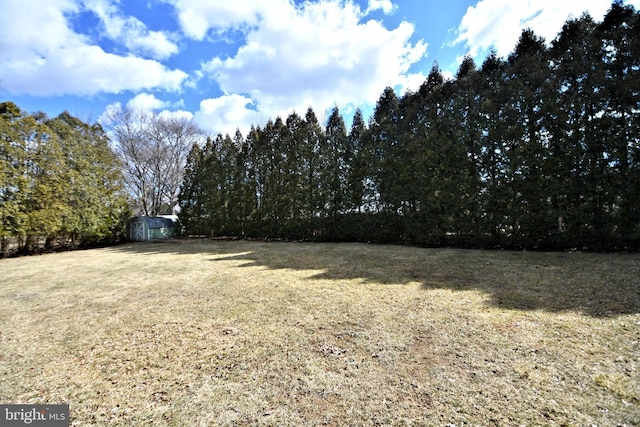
153 149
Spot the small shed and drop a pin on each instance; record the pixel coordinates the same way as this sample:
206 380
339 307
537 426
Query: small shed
149 228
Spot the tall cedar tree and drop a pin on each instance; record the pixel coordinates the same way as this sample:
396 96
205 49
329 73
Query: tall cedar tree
16 129
527 84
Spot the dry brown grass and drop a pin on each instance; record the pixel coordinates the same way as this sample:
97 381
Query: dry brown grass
251 333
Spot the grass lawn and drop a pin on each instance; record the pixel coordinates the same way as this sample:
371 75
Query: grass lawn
253 333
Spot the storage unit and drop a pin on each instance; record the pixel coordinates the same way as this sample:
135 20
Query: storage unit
149 228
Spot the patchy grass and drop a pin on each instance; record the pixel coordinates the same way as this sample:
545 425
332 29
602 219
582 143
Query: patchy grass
236 333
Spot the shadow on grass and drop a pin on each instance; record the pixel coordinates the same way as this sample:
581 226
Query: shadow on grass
596 285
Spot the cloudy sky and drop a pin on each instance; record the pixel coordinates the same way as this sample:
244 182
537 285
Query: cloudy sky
229 64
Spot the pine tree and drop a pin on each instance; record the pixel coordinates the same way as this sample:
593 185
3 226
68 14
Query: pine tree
244 185
465 158
15 130
335 159
93 194
215 186
384 130
433 133
621 58
274 206
577 76
358 164
539 150
192 213
49 175
294 190
495 194
313 140
254 181
531 219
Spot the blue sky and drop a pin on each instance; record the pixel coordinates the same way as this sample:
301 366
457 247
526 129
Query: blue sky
229 64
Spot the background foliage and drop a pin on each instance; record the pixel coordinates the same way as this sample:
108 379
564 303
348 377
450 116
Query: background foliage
537 150
59 182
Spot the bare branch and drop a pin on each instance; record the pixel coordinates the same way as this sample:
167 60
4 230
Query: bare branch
153 149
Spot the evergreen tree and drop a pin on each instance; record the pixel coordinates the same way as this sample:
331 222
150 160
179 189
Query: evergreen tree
495 194
313 140
214 181
357 172
528 72
295 179
336 158
244 188
49 175
59 179
16 129
538 150
574 145
192 194
274 206
433 134
384 129
93 195
254 189
465 156
620 31
229 215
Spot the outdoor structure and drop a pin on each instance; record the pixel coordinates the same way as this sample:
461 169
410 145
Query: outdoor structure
149 228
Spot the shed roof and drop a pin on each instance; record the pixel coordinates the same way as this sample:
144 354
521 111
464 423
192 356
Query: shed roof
162 221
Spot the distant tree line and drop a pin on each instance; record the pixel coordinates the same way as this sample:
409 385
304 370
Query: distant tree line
537 150
60 183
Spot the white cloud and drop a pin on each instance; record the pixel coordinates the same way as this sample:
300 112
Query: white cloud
318 54
176 114
226 113
130 31
110 111
42 56
385 5
198 17
498 23
146 102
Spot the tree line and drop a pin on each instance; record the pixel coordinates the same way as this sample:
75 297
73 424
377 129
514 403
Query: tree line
536 150
60 183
